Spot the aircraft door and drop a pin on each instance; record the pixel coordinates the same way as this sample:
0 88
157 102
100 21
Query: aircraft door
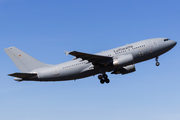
152 46
55 71
155 43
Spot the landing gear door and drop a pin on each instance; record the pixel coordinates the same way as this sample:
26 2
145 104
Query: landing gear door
155 43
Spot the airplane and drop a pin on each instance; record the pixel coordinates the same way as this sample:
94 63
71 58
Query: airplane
120 60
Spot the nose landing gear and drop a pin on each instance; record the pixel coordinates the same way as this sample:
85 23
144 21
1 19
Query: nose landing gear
157 63
103 78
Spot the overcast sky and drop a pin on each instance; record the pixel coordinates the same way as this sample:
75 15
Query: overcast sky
45 28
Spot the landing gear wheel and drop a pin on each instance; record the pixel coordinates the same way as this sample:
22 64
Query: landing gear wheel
102 81
100 77
157 63
107 80
105 76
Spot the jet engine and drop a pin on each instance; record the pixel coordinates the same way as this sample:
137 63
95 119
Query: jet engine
125 70
123 60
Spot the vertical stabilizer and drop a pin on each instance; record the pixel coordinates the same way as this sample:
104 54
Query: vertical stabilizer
24 62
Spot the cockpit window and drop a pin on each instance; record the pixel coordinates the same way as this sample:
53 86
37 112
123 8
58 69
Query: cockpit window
166 39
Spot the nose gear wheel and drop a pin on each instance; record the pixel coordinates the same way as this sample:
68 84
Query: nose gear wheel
157 63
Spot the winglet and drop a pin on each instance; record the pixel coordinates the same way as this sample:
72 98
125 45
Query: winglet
66 52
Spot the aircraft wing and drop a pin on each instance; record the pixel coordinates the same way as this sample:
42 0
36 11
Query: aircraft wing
95 59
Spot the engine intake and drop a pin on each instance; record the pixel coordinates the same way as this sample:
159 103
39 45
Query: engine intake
123 60
125 70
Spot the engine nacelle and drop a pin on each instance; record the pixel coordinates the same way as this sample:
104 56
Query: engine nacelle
125 70
123 60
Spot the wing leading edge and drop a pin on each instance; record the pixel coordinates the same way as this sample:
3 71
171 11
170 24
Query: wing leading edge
95 59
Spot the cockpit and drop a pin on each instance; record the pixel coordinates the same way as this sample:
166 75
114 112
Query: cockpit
166 39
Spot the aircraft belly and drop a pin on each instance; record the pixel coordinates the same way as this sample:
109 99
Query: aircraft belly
81 72
71 76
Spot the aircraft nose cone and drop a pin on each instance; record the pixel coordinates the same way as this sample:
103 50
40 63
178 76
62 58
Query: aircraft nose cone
170 44
174 43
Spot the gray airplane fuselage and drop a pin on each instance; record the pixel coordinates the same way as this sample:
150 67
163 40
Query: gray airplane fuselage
78 68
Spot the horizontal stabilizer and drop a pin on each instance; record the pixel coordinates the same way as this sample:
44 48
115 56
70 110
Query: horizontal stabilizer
66 52
23 75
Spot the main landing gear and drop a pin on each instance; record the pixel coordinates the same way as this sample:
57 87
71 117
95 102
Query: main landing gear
157 63
103 78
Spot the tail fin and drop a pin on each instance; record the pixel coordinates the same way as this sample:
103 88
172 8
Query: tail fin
24 62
